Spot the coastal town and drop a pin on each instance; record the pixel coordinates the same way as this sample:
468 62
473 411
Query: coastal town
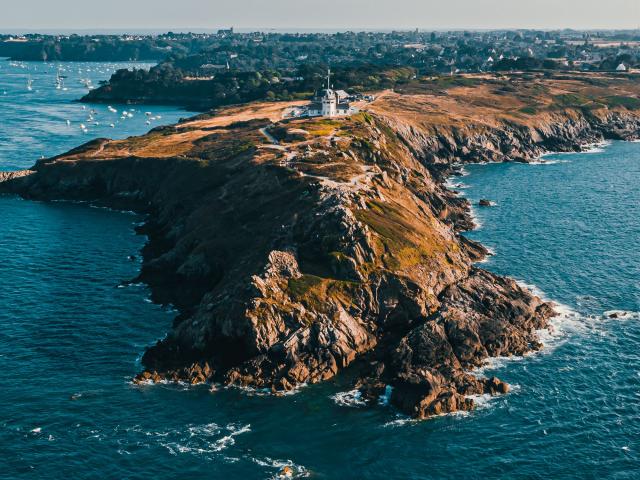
201 71
429 51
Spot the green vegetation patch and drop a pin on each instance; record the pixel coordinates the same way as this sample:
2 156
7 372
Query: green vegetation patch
456 81
630 103
322 128
528 110
318 294
569 100
299 287
222 147
405 243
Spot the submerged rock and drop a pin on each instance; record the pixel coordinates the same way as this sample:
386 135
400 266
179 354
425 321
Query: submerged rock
286 472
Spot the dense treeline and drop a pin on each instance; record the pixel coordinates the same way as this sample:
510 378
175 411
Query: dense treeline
168 85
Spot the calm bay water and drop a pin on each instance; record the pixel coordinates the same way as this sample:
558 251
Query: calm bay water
70 339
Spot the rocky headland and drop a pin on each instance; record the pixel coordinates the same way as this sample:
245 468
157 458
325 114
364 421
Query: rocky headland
338 246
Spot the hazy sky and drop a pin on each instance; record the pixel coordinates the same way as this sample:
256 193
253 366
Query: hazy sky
322 14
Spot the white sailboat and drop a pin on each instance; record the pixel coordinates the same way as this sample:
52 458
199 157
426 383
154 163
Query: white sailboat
59 81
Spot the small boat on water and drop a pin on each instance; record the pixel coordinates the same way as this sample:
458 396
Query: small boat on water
59 81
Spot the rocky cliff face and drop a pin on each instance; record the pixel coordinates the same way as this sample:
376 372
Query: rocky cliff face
10 178
337 247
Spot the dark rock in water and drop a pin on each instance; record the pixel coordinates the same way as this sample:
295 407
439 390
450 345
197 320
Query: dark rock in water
485 203
614 315
194 374
496 386
475 250
132 258
371 390
286 472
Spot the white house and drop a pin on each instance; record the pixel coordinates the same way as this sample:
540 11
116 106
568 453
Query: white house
330 103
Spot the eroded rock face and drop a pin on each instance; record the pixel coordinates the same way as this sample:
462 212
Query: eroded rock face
482 316
11 181
291 264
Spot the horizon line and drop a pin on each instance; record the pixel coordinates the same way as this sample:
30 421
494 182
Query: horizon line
122 30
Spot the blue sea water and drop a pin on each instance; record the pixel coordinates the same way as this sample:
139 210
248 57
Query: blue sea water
38 119
70 339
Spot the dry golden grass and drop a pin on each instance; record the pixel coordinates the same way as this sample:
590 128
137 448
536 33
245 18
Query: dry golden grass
272 111
438 105
490 100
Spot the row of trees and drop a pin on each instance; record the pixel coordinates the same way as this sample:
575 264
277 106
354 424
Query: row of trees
169 85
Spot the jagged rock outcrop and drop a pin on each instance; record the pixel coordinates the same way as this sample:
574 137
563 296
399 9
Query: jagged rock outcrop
291 262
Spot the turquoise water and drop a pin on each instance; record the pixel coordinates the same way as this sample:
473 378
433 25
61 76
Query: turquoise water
70 340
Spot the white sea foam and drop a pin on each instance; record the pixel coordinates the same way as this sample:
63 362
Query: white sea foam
401 421
352 398
532 288
475 218
229 440
565 322
197 439
404 421
298 471
109 209
622 315
482 401
542 161
494 363
596 147
266 392
131 285
385 398
490 253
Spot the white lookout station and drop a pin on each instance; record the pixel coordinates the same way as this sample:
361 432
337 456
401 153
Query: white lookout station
330 103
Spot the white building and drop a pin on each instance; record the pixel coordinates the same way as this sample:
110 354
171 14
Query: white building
330 103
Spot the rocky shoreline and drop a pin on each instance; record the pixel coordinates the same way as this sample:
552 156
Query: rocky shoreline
339 247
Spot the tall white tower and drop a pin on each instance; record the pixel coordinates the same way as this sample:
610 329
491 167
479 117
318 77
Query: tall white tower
329 100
